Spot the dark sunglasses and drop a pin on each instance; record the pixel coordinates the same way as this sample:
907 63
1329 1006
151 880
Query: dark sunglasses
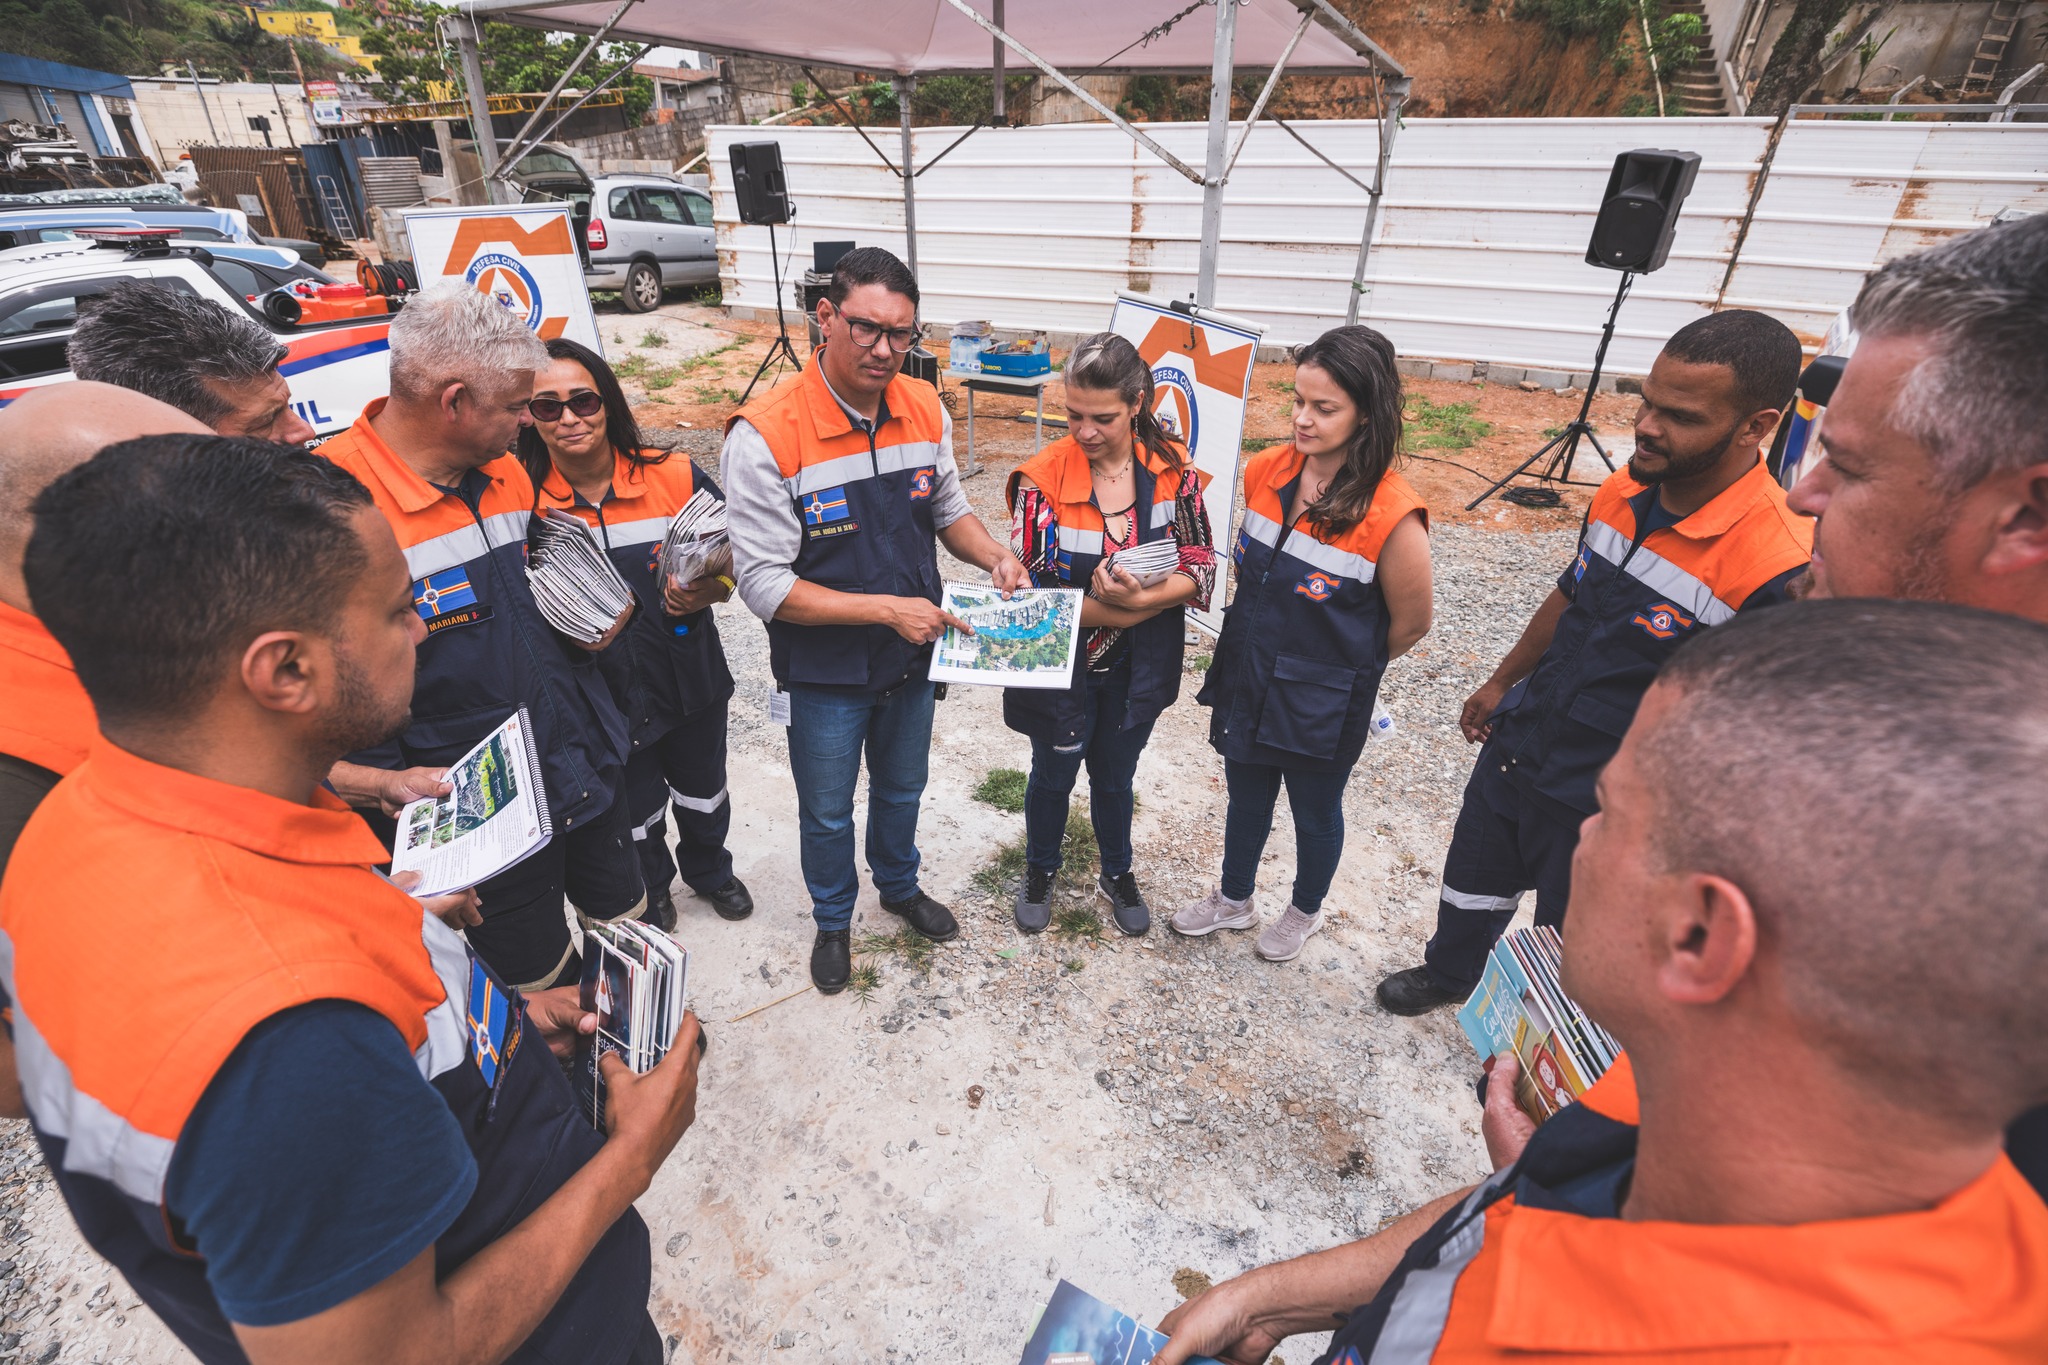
583 404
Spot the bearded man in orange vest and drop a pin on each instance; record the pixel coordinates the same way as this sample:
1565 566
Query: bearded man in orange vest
840 485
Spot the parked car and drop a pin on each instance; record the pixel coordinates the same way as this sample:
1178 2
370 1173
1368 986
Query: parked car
49 221
337 356
648 233
547 172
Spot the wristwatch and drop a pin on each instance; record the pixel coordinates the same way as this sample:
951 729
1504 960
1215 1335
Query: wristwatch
730 586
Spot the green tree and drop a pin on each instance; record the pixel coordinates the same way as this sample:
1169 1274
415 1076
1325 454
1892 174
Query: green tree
516 60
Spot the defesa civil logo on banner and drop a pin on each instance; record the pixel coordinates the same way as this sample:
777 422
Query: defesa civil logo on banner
522 255
1201 375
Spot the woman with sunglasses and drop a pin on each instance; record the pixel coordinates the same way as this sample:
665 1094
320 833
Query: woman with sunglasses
585 456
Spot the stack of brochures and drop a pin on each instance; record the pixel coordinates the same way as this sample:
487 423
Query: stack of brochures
1076 1328
496 815
574 584
1150 562
1519 1008
636 981
694 539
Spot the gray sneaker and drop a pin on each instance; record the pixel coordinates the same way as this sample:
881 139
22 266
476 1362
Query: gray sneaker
1126 904
1213 912
1034 901
1282 940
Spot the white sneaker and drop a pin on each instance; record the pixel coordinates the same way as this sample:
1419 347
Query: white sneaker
1214 911
1283 939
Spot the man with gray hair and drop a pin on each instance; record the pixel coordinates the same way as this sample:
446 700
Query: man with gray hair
190 353
433 455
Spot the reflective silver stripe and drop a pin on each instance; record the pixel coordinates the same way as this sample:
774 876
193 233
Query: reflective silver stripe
646 531
1422 1305
1686 591
465 544
1076 541
1162 514
907 455
447 1027
1261 528
833 473
651 823
1465 900
98 1142
1343 563
702 804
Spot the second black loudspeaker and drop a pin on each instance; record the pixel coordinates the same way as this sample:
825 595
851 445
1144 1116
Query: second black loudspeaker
757 183
1639 212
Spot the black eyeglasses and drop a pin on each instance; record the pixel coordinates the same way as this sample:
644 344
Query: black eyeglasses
584 403
865 334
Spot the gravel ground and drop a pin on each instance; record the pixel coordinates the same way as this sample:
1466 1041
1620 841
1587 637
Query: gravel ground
1135 1115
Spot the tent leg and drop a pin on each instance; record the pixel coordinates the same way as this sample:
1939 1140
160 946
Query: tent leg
1220 68
1390 122
906 90
466 30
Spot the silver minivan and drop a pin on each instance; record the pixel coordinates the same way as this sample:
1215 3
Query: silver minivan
648 233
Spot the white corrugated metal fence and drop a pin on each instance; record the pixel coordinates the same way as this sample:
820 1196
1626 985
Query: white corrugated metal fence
1479 252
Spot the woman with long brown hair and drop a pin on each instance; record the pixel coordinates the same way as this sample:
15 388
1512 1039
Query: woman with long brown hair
1118 479
669 676
1333 582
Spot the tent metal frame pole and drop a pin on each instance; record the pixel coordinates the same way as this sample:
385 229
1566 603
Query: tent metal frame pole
1221 69
1073 88
519 147
467 32
581 100
906 90
1394 95
996 87
1266 93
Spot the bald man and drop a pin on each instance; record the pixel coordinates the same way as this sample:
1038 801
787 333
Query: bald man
46 722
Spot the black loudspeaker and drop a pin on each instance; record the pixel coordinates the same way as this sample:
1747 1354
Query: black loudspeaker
758 184
1639 212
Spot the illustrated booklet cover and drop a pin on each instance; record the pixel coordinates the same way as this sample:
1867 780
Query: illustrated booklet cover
1520 1008
636 981
1028 639
1076 1328
496 815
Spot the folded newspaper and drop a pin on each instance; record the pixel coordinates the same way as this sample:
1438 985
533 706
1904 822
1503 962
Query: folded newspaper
694 538
574 584
1150 563
497 815
1519 1008
636 981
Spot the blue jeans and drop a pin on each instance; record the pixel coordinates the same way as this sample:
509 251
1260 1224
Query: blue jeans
828 731
1317 802
1112 757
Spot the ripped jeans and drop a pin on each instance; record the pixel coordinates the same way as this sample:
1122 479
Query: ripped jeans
1112 756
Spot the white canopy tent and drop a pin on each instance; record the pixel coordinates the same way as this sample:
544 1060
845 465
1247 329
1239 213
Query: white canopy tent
913 38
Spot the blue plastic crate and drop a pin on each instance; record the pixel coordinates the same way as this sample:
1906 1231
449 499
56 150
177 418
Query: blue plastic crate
1018 366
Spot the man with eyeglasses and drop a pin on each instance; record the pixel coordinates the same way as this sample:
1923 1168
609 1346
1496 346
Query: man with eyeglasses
840 485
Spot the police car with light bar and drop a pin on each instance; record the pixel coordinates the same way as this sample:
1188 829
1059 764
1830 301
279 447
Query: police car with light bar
335 333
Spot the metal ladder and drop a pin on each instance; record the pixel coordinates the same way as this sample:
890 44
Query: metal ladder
336 207
1990 54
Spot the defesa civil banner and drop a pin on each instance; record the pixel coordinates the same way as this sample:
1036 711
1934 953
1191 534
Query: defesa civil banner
522 255
1201 373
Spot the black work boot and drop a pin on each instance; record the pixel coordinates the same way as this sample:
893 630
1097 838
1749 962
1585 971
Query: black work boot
661 910
832 960
1034 901
1414 991
731 901
927 916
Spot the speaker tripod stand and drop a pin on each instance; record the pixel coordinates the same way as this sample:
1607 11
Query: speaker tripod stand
1559 452
781 349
